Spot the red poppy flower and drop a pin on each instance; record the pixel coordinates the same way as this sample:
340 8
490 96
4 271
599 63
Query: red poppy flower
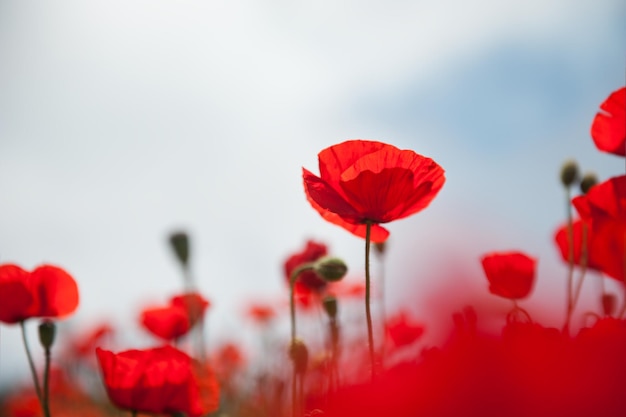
307 280
261 313
167 322
161 380
604 207
608 129
176 319
367 181
562 243
194 303
401 331
510 274
48 291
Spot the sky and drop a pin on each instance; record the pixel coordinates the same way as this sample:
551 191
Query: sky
122 121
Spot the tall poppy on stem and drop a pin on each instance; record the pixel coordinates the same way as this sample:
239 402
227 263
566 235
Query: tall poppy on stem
363 184
47 291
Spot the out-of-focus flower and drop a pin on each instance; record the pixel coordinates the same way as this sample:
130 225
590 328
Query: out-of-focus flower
227 360
194 303
402 331
562 243
608 129
604 208
510 274
168 323
176 319
47 291
161 380
308 283
365 181
261 313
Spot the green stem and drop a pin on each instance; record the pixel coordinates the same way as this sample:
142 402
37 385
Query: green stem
570 260
583 265
46 385
292 312
368 313
31 364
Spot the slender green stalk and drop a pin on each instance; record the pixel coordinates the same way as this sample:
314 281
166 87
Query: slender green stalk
368 313
46 385
570 260
292 311
584 259
32 365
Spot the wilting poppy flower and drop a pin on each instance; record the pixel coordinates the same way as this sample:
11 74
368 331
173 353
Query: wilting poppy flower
604 207
510 274
308 283
48 291
365 181
608 129
161 380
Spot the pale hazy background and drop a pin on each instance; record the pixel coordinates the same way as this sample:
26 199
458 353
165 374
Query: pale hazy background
122 120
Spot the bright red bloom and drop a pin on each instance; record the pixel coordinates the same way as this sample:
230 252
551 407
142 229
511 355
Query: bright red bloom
604 207
307 280
510 274
608 129
367 181
48 291
161 380
176 319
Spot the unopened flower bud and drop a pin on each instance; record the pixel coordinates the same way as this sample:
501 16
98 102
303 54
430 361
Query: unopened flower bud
47 331
608 304
330 306
569 173
330 269
588 181
180 245
299 354
380 247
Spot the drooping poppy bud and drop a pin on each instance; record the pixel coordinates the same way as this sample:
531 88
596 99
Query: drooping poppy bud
299 354
330 306
330 269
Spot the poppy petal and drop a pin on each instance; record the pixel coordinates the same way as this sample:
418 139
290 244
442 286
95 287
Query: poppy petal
57 291
608 129
17 299
333 161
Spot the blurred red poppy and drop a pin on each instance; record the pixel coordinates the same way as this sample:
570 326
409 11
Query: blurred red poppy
161 380
402 331
261 313
176 319
510 274
308 282
367 181
47 291
608 129
562 243
604 208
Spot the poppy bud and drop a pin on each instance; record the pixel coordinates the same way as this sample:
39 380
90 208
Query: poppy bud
330 306
299 354
588 181
569 173
330 269
180 245
380 247
47 331
608 304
